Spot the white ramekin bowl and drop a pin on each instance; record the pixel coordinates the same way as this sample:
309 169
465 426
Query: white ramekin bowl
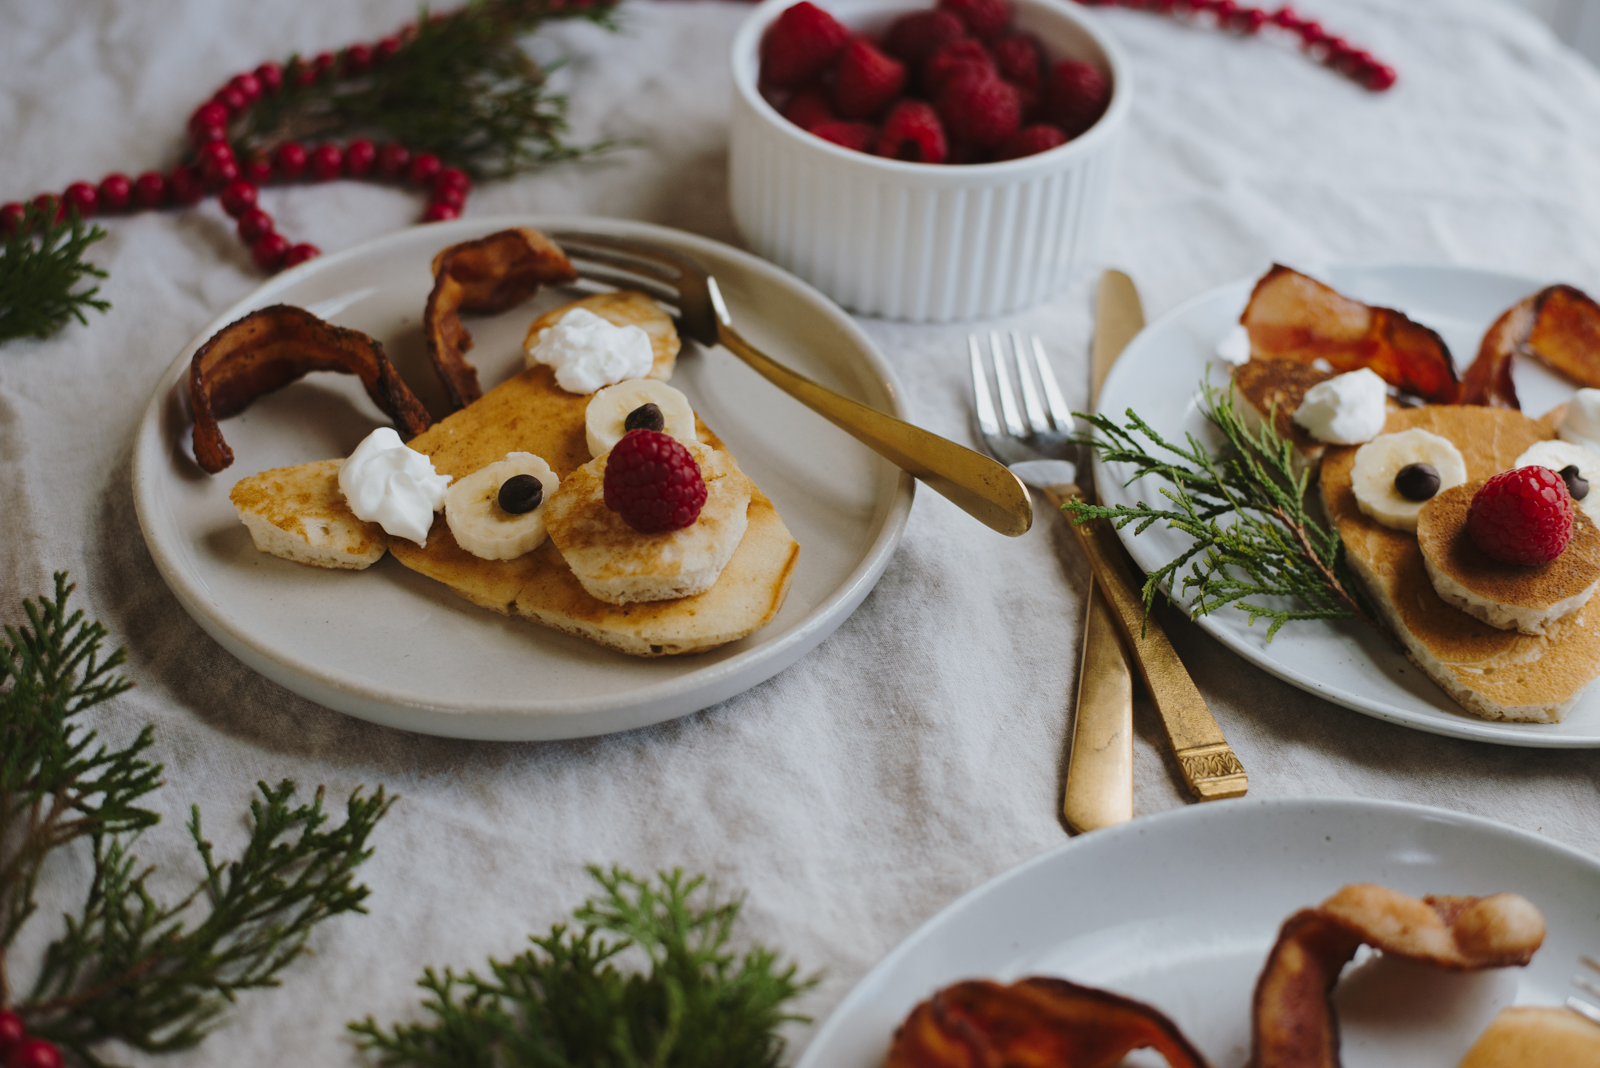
914 241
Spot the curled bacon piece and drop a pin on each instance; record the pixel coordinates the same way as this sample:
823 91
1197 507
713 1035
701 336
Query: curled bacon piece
1559 326
1292 316
1293 1023
485 276
1034 1023
268 349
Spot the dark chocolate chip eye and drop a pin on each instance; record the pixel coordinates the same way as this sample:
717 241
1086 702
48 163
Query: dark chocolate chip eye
645 417
1577 485
521 494
1417 482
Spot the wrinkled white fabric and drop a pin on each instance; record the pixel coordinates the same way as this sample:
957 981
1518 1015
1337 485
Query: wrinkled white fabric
917 752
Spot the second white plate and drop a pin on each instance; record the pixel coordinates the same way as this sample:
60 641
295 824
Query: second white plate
1344 662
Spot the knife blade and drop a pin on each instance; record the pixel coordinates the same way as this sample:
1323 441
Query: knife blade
1099 787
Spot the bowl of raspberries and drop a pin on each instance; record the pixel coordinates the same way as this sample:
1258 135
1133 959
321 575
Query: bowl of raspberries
928 164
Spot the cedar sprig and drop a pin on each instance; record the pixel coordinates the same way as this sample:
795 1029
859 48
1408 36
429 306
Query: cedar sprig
41 266
461 87
1255 541
567 1003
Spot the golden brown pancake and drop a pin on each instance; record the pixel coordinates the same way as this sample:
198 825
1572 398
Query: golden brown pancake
1264 383
300 514
625 307
1532 1036
1494 673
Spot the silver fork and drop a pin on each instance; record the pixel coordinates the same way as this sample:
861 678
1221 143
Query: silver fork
978 485
1210 768
1588 986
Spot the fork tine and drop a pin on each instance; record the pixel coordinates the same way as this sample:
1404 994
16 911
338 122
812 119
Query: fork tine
657 272
981 400
1584 1009
1002 386
635 255
1030 392
1060 413
1590 963
1588 986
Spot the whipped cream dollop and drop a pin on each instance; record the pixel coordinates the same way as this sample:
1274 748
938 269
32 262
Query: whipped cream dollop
392 485
1345 410
1234 347
589 353
1581 424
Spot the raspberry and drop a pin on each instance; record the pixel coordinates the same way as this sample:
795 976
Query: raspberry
1019 60
985 19
952 60
1522 516
977 107
852 135
1031 140
809 107
653 483
913 38
799 44
912 132
865 80
1076 96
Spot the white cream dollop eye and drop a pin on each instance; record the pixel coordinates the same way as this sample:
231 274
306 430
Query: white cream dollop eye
387 483
1345 410
590 353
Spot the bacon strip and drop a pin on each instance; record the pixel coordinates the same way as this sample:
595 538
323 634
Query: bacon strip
485 276
1292 316
1559 326
1034 1023
268 349
1293 1023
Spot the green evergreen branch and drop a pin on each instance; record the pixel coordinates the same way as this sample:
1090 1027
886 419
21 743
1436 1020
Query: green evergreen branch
566 1004
1245 509
40 264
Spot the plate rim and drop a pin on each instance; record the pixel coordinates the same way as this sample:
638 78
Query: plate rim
485 720
1466 726
1287 806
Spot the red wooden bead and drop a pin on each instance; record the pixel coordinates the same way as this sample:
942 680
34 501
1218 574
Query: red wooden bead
438 212
449 196
185 186
269 250
301 73
299 254
54 208
216 151
115 192
1379 77
232 99
12 1029
256 168
453 178
1251 20
248 85
1226 11
218 173
150 189
203 135
425 167
357 58
323 63
208 115
393 159
1286 17
238 198
327 161
11 216
290 159
83 197
1311 33
254 224
34 1053
386 49
359 158
270 75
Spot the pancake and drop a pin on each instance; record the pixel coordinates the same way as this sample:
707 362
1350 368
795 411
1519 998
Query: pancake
1507 596
1264 383
1533 1036
1495 674
300 514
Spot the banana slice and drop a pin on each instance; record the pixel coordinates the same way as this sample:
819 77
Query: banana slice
1379 460
609 409
481 526
1558 454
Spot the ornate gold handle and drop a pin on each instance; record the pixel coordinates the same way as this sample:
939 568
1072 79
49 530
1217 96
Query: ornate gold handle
979 486
1210 767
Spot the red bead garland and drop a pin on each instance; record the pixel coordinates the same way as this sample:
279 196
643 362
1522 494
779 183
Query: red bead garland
19 1050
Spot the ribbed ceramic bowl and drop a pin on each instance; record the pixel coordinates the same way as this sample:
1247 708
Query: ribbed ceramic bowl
913 241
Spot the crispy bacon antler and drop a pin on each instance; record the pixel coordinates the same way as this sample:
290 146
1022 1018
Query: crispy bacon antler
1559 326
268 349
1292 316
1293 1023
1035 1023
485 276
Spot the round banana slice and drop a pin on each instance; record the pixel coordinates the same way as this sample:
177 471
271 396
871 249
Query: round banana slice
1558 454
1379 460
609 409
481 526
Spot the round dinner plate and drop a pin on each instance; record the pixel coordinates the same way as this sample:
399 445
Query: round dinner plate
391 646
1178 910
1343 661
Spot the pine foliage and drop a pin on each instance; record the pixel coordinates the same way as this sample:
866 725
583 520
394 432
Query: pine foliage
41 265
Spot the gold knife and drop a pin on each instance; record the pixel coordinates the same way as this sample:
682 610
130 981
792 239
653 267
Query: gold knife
1099 789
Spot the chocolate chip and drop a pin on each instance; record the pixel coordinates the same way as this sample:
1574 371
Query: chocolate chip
645 417
1417 482
521 494
1577 485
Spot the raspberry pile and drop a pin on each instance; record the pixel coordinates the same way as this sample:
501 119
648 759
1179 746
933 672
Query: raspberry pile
19 1050
653 483
1522 516
955 84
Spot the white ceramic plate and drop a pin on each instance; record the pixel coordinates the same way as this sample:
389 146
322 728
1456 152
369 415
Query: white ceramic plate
1344 662
1179 910
391 646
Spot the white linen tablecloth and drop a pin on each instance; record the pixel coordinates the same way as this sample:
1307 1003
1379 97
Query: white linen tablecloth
918 751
